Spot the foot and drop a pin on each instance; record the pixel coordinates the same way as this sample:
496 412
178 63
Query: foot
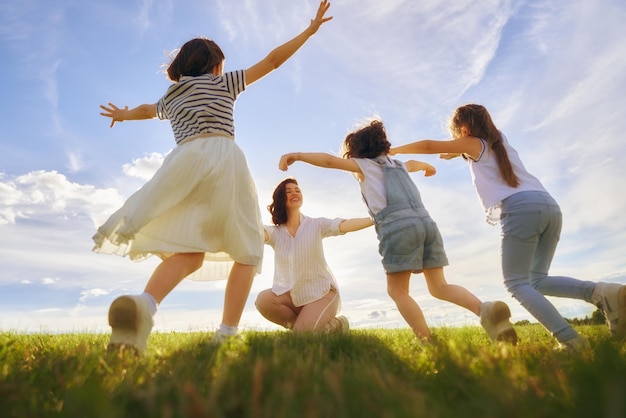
131 323
219 338
344 324
576 345
338 324
494 317
611 299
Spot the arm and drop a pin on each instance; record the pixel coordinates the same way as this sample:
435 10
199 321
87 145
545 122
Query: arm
413 166
318 159
282 53
144 111
354 224
467 145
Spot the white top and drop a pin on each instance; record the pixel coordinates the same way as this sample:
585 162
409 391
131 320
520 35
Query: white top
372 185
489 184
299 262
202 105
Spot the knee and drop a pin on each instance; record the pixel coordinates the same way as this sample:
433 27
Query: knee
437 290
263 300
396 292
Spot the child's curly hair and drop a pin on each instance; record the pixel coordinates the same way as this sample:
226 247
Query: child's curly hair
367 142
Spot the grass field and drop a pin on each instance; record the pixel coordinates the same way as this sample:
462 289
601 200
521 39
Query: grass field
368 373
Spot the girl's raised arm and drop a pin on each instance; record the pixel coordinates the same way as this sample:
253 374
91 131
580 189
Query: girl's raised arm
282 53
467 145
318 159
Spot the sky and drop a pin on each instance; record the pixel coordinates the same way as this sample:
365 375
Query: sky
552 74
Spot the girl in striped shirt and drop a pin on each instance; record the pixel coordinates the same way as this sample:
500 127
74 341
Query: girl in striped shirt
200 212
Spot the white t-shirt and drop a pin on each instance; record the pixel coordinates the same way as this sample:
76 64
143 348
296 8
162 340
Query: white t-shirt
299 262
372 184
489 184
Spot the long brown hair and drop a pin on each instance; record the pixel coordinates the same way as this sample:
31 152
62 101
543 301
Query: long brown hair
367 142
196 57
278 208
479 124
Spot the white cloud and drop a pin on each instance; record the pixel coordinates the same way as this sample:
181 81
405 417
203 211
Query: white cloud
144 167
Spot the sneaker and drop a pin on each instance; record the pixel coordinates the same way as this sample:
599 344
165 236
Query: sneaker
575 345
344 324
219 338
131 323
494 317
611 299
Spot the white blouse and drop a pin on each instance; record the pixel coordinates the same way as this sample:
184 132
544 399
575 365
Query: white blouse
299 263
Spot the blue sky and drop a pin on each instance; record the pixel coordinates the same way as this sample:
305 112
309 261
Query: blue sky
552 73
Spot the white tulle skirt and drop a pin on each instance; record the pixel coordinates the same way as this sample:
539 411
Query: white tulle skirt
202 199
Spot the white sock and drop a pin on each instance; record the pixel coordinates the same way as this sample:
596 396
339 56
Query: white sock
227 330
152 303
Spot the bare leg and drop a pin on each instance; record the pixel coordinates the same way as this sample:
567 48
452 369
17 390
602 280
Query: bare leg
172 271
398 290
439 288
237 291
278 309
315 315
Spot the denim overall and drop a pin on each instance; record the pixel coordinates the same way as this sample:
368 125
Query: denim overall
409 239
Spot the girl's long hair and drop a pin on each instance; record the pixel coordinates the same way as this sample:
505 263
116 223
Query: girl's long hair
367 142
478 122
278 208
196 57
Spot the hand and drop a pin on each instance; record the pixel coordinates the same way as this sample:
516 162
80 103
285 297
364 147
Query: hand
448 156
286 160
113 112
392 151
429 170
319 17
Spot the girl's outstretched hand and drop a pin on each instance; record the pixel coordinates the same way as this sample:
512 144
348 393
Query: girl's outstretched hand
319 17
113 112
429 170
286 160
448 155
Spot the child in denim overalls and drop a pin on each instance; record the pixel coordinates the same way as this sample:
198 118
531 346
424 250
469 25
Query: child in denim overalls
409 240
531 225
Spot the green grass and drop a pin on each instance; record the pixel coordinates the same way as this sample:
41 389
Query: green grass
368 373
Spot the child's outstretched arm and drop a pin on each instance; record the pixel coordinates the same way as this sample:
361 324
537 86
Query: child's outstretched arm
468 145
144 111
282 53
318 159
414 165
354 224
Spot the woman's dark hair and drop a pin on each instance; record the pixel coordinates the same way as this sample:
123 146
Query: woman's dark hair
479 124
196 57
367 142
278 208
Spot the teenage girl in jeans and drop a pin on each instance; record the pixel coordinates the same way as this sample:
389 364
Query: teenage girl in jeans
531 225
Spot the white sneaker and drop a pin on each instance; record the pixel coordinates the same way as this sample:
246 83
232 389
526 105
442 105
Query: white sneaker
345 324
131 322
575 345
494 317
220 338
611 299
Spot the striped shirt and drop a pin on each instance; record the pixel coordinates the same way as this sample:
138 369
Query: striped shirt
299 263
202 105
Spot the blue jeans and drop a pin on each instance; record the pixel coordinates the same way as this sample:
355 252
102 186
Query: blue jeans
531 228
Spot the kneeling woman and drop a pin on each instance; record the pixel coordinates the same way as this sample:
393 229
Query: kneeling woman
304 295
